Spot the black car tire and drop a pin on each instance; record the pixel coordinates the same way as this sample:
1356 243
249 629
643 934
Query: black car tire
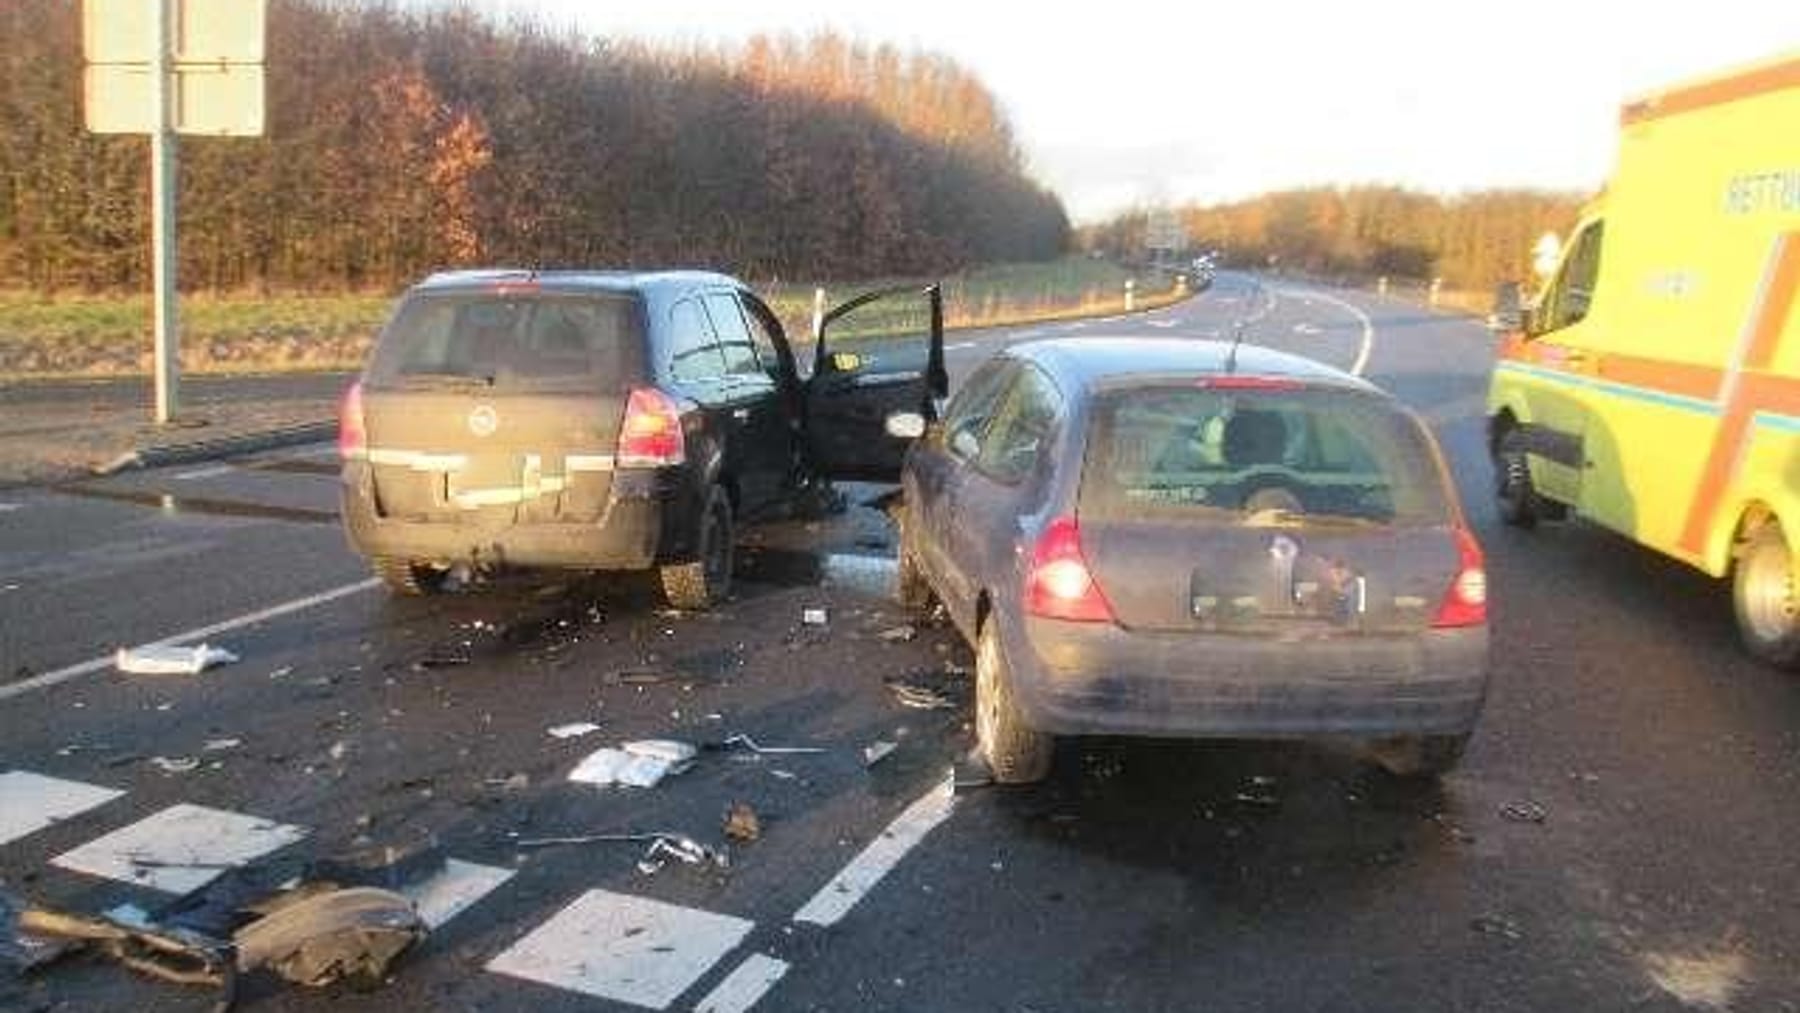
1763 598
1518 500
1421 756
1016 753
911 588
405 577
704 581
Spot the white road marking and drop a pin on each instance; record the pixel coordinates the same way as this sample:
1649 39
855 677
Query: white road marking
6 508
959 346
836 899
628 949
1165 324
453 889
747 983
63 675
1368 330
199 473
179 849
30 802
1308 329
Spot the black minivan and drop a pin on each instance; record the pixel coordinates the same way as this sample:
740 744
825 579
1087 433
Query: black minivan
611 421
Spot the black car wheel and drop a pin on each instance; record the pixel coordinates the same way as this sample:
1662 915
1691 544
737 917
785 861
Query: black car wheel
704 581
1421 756
1016 754
405 577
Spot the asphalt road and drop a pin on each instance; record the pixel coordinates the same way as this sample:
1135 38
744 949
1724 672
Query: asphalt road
1621 836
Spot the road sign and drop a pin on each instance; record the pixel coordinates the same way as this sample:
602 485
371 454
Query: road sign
216 99
215 51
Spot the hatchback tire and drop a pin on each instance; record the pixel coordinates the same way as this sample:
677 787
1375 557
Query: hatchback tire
407 578
1015 752
1420 756
1763 598
704 581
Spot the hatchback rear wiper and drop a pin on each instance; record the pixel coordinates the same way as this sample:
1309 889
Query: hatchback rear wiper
444 378
1279 518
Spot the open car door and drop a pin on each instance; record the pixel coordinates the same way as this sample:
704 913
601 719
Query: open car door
878 355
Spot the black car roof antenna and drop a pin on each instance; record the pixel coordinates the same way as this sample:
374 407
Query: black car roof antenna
1237 338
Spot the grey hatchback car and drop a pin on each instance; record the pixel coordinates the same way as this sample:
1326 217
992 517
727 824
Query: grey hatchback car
1172 538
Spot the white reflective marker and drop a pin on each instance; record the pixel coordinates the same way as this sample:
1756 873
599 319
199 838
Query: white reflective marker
850 885
63 675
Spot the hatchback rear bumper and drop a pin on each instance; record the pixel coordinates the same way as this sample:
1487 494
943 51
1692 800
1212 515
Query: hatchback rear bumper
630 534
1092 679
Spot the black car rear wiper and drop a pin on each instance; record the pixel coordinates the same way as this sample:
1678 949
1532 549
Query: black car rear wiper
445 378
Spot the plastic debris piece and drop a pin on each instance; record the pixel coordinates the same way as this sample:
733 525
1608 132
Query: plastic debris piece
175 764
1496 925
636 764
681 848
920 697
877 751
814 617
353 933
221 745
573 730
741 822
166 659
740 739
1525 811
898 634
784 775
662 749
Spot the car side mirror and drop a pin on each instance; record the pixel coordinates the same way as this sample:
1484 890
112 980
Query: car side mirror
906 425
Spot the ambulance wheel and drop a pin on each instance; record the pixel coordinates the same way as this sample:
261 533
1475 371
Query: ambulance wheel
1518 500
1762 593
406 578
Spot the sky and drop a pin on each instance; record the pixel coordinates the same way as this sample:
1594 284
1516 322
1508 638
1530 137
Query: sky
1149 103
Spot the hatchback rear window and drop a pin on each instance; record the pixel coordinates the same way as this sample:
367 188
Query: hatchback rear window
508 340
1276 457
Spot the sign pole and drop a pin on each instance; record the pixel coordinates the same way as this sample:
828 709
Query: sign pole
162 207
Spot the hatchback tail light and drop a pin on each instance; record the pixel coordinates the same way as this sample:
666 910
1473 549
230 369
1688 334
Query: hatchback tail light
651 435
1465 602
1060 584
353 435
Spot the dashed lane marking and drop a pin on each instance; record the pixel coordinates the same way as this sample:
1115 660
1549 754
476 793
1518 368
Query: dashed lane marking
745 985
6 508
179 849
959 346
856 879
199 473
628 949
453 890
62 675
30 802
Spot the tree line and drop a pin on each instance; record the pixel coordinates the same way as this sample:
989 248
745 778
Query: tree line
401 140
1472 241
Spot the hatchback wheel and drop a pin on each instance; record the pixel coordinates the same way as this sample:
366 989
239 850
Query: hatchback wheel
1015 753
405 577
1420 756
1762 586
704 581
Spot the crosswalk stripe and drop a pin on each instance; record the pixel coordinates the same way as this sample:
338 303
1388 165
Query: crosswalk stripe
453 890
179 849
745 985
30 802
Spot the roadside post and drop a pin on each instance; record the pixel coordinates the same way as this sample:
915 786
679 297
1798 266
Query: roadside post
1381 285
1437 285
1130 294
162 68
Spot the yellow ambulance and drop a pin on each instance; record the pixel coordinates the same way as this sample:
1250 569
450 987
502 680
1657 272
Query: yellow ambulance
1654 387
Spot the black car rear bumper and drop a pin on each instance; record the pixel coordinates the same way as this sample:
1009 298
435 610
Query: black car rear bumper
639 528
1091 679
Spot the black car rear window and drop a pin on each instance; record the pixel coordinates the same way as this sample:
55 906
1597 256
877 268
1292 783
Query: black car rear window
509 340
1285 457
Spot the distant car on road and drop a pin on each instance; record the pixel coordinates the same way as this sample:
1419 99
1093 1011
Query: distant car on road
612 421
1157 537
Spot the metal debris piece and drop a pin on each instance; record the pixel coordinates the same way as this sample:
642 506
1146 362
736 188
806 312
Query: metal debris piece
221 745
814 617
920 697
640 764
898 634
167 659
175 764
741 822
741 739
350 934
1524 811
1496 925
877 751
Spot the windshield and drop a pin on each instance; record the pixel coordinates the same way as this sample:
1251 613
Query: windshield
508 340
1264 458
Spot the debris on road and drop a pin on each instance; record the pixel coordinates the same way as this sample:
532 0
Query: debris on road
573 730
898 634
636 764
1496 925
1524 811
175 764
349 934
814 617
740 739
161 659
741 823
877 751
221 745
663 844
920 696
